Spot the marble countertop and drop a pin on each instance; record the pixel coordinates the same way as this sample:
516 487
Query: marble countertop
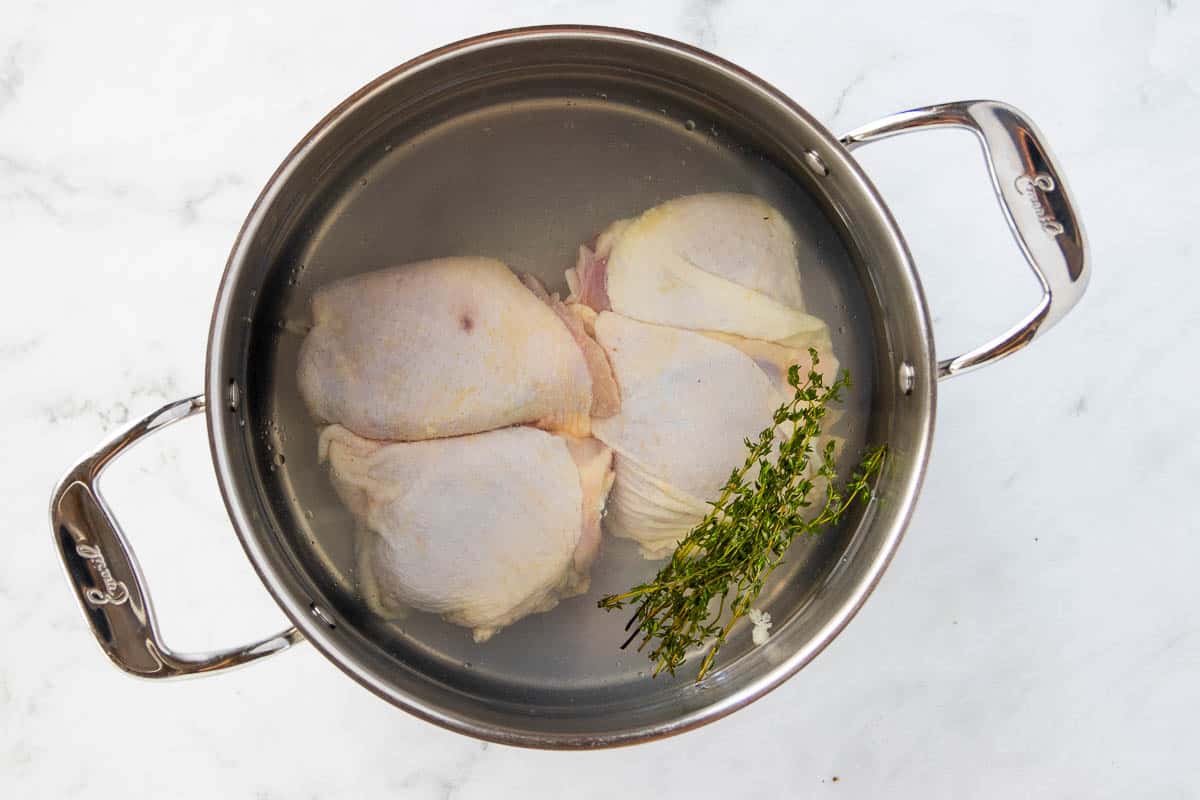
1038 633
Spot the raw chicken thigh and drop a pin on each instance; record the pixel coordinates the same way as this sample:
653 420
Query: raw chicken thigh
700 315
688 403
712 262
481 529
449 347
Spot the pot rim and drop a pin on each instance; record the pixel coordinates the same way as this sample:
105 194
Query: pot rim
298 608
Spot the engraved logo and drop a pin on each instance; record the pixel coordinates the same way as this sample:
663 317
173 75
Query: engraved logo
1029 185
115 592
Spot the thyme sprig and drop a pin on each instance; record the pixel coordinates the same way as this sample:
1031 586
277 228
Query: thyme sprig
762 508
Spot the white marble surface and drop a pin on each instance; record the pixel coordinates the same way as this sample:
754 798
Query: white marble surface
1038 633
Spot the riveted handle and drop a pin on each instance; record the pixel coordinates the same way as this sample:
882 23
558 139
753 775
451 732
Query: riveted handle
105 575
1033 195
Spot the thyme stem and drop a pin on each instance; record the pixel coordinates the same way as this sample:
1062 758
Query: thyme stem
762 508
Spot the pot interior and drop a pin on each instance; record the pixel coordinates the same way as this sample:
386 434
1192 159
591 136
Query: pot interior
521 149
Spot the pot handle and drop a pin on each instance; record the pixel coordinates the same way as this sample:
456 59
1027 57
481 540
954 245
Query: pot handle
1034 197
105 575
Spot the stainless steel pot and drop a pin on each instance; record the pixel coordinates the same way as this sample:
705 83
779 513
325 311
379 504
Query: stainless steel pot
519 144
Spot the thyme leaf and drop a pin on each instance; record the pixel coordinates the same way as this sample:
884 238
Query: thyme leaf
766 503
